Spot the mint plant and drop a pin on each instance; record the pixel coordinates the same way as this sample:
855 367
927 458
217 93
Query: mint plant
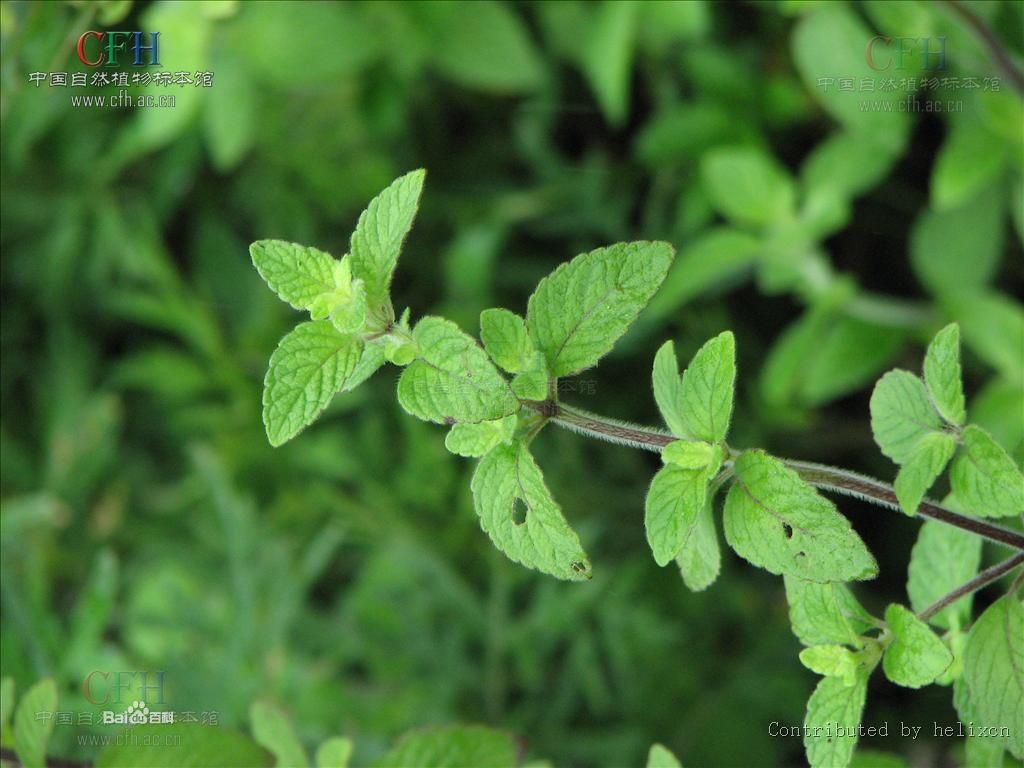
497 395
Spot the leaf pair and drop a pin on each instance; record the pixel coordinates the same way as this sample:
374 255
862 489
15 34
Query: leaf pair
697 407
346 299
914 423
698 404
573 319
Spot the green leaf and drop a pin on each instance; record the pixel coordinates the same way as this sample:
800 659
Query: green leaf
825 613
454 746
194 745
700 559
532 384
517 511
668 389
6 702
370 359
692 454
271 729
994 670
776 521
308 368
829 43
956 251
334 753
869 758
847 164
901 414
969 160
674 500
993 327
916 655
31 735
506 339
608 56
483 45
943 558
822 356
478 439
379 234
984 477
747 186
831 661
942 374
707 389
715 258
661 757
296 273
580 310
834 705
925 463
453 379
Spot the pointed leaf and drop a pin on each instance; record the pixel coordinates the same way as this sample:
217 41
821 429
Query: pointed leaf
310 365
778 522
668 389
518 513
747 186
334 753
692 454
296 273
382 228
453 379
674 500
984 477
994 670
831 661
832 706
32 733
825 613
916 656
925 462
271 729
707 389
942 374
700 559
580 310
901 414
478 439
506 339
661 757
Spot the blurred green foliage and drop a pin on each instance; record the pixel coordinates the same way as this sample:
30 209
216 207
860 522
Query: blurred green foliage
146 523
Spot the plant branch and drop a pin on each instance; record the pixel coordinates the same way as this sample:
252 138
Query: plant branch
819 475
1000 57
983 579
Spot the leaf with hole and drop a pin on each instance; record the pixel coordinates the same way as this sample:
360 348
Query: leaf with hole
776 521
517 511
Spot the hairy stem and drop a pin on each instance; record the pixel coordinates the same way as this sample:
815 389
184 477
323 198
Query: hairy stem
819 475
983 579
